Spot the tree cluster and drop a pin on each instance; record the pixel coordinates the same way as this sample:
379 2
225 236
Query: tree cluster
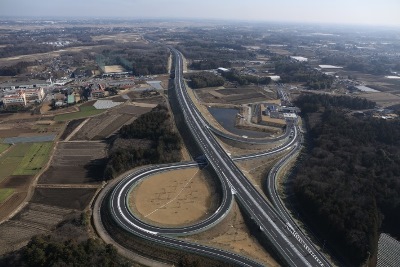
371 65
156 126
349 185
16 69
44 251
209 64
290 71
142 60
244 79
204 79
313 102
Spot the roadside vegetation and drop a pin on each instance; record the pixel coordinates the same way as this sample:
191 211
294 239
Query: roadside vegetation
348 185
153 128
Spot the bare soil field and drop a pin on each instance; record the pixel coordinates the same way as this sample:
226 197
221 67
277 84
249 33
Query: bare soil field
42 56
7 207
20 185
233 235
383 99
231 96
155 100
19 125
103 125
75 163
66 198
121 38
175 198
234 96
34 219
71 126
113 68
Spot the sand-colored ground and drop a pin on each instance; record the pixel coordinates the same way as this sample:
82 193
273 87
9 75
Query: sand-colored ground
232 234
12 60
113 68
175 198
121 38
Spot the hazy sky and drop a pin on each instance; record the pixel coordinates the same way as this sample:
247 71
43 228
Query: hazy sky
375 12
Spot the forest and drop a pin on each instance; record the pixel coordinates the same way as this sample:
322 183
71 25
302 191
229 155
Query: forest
141 59
154 126
300 72
349 182
204 79
245 79
15 69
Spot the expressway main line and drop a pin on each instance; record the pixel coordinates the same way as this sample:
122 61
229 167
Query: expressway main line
293 248
272 226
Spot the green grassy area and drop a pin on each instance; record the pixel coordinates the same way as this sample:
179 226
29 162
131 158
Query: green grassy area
83 112
34 159
3 147
5 193
10 161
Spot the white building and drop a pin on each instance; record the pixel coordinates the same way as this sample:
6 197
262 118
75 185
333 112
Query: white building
15 99
34 93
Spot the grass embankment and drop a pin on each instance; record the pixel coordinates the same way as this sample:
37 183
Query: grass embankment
24 159
84 111
5 193
3 147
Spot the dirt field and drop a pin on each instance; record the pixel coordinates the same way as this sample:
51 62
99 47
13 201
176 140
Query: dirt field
42 56
175 198
232 234
34 219
122 38
75 163
71 126
383 99
113 68
235 96
67 198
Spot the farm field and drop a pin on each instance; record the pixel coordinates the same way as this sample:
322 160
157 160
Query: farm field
76 163
66 198
34 219
3 147
102 126
35 158
11 160
5 193
19 185
84 111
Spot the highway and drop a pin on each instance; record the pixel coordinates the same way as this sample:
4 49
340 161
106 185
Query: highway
292 247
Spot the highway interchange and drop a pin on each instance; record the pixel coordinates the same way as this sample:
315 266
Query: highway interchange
274 222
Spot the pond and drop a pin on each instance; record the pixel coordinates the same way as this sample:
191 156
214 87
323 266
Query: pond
227 116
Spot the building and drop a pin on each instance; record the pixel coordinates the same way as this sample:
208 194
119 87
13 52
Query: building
34 93
222 70
18 98
98 93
